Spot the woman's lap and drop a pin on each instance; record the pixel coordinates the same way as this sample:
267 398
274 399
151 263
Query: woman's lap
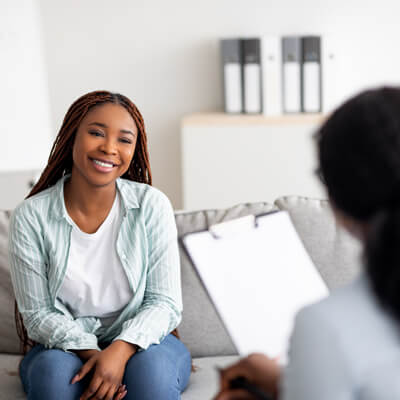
160 372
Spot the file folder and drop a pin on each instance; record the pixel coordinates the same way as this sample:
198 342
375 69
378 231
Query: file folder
330 73
271 67
252 76
258 275
231 57
291 63
311 74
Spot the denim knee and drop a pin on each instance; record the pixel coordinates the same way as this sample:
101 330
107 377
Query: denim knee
161 372
48 373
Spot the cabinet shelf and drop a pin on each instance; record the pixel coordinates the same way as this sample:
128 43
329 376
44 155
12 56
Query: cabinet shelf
231 159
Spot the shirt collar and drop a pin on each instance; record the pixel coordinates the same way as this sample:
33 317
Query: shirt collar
128 197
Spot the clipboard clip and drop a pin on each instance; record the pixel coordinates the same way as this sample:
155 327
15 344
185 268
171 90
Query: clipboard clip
233 227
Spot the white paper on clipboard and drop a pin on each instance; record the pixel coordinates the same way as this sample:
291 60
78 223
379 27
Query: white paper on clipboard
258 275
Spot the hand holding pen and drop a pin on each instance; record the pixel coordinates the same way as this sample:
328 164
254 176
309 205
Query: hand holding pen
253 377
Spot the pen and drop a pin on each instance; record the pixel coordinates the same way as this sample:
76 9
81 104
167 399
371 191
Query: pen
242 383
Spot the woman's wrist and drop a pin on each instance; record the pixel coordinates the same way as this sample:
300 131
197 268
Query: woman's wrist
85 354
127 350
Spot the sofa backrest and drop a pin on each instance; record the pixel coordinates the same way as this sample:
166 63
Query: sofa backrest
335 254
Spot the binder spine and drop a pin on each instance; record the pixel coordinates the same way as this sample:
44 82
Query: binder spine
231 57
252 76
329 54
271 56
291 74
311 74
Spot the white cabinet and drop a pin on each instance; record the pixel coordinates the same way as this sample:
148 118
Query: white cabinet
230 159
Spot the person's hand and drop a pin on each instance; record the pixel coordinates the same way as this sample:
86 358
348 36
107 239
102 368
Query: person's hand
258 369
108 367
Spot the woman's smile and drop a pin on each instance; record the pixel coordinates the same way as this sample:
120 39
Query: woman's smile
102 165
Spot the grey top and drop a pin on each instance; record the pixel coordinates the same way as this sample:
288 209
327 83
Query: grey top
343 348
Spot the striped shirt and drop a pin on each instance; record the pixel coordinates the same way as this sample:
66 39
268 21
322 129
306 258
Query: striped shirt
39 241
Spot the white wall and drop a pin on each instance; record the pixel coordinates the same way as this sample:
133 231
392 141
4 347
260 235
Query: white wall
24 105
164 55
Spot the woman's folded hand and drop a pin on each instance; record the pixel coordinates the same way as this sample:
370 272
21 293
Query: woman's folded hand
108 367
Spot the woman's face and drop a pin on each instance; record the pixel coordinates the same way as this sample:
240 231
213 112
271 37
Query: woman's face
104 144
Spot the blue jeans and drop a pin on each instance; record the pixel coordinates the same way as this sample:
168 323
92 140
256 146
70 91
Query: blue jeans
159 373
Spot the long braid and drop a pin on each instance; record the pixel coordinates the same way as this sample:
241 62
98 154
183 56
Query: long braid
60 161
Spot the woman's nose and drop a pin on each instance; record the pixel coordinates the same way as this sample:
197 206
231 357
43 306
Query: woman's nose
108 147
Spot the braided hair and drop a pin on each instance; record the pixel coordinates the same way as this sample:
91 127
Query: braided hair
60 160
359 156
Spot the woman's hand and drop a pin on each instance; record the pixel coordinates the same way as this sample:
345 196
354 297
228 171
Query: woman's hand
258 369
109 367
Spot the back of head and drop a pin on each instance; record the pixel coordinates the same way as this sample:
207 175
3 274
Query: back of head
359 155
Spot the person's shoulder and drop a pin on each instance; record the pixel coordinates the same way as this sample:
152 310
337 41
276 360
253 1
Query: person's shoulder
334 316
353 317
345 300
38 204
142 194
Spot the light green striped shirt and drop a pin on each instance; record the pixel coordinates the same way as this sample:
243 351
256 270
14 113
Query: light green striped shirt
39 244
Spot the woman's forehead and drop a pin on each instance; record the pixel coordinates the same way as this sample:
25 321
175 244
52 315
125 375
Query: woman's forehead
110 115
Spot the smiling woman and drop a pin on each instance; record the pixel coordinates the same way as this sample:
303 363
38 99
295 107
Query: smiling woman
95 265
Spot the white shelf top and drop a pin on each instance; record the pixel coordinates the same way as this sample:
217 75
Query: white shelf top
220 118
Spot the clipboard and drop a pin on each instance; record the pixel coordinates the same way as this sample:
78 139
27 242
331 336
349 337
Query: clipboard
258 275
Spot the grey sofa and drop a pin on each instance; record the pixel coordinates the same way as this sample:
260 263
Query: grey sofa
335 254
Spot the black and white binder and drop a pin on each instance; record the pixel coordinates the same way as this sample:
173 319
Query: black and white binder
311 74
330 72
258 275
252 76
271 67
231 57
291 74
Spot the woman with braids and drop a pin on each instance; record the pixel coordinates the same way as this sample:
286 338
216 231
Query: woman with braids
347 347
95 265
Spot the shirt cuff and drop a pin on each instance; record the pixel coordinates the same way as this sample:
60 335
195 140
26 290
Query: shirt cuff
143 341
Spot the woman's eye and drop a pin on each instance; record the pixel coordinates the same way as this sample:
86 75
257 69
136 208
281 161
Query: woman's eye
96 133
123 140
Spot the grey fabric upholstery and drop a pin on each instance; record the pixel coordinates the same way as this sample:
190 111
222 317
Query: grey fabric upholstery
201 329
9 342
335 253
204 383
10 384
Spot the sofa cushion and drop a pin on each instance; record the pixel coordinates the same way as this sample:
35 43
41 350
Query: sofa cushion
335 253
201 328
203 383
9 342
10 383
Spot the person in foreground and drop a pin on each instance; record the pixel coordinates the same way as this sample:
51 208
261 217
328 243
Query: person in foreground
348 346
95 265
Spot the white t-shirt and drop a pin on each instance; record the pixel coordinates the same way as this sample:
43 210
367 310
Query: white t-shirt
95 283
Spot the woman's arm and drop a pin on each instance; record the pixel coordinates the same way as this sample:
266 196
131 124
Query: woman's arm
161 309
29 271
